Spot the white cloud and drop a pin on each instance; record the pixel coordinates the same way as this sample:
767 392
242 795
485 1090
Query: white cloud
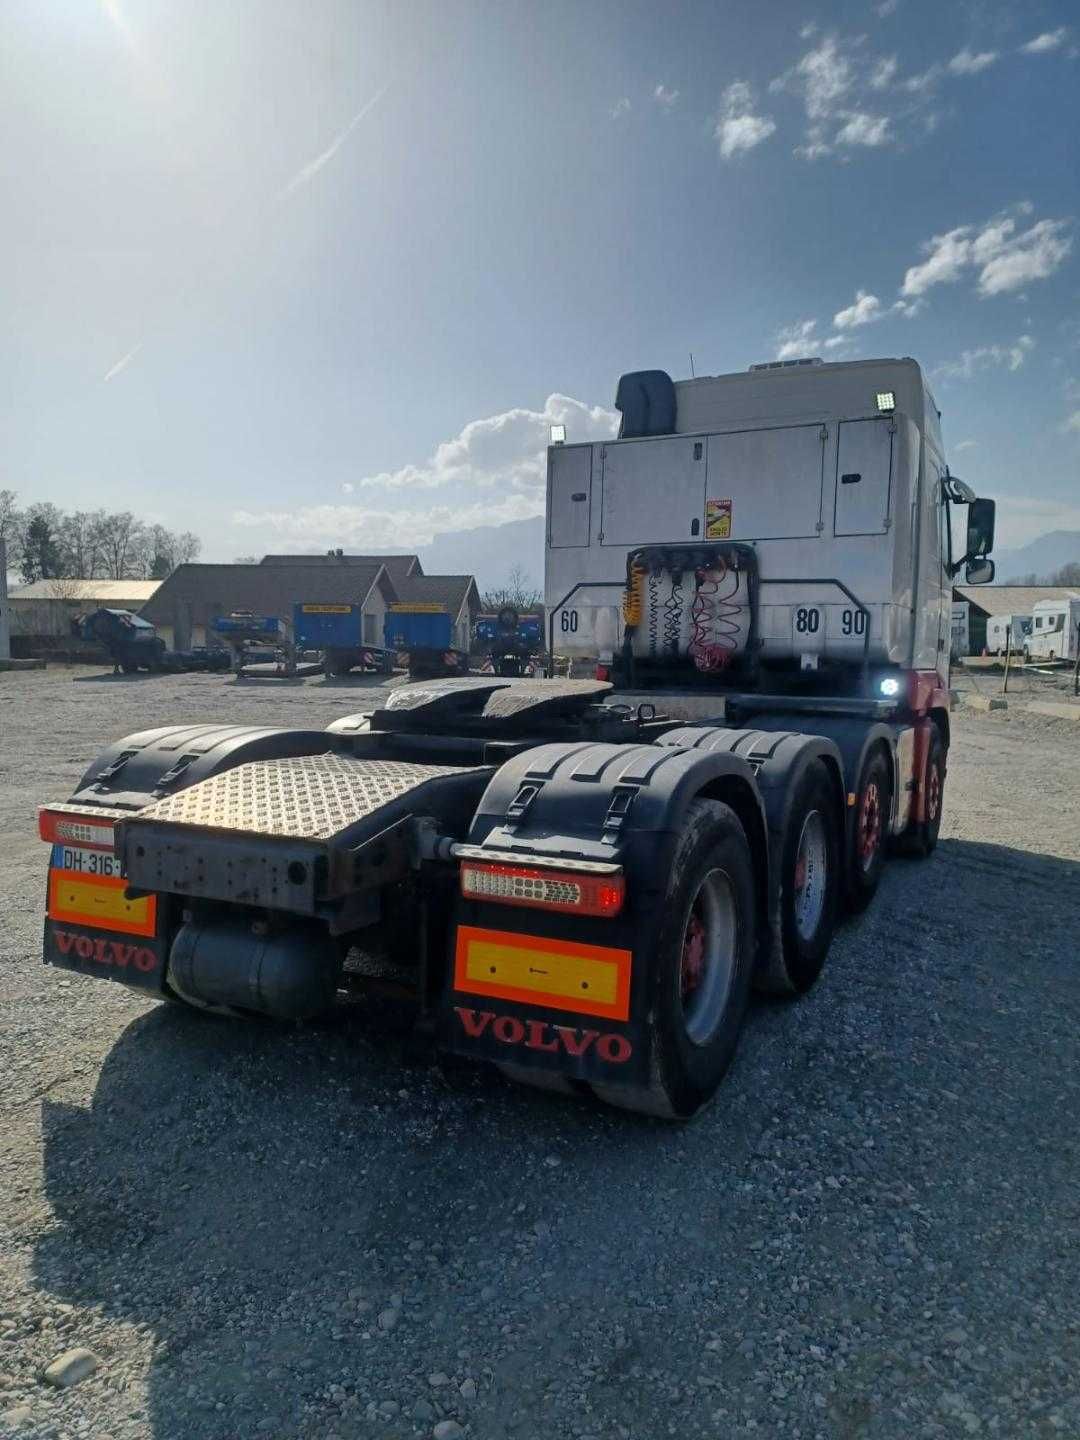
823 77
793 341
1072 422
808 31
1035 255
496 468
864 310
320 527
987 357
886 7
908 308
884 72
816 146
862 129
620 108
835 342
947 255
963 445
966 62
1003 259
738 129
506 449
665 97
923 82
1047 41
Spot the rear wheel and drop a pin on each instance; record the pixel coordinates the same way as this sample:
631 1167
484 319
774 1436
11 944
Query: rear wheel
809 886
701 969
873 806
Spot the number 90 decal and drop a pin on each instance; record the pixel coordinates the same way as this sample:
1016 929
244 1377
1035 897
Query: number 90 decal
815 622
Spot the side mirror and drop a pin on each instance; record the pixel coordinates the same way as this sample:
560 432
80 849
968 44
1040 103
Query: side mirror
980 571
980 530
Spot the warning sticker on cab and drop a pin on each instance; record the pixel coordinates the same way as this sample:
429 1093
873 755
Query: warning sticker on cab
718 519
559 974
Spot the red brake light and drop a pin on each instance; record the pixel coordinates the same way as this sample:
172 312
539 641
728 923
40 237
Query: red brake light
66 827
573 892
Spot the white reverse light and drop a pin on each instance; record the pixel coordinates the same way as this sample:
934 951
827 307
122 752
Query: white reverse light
886 401
889 686
558 434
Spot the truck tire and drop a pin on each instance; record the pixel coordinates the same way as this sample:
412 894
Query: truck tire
873 805
702 967
809 886
920 840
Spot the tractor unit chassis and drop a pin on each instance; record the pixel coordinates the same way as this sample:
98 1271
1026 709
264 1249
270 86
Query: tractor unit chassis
579 892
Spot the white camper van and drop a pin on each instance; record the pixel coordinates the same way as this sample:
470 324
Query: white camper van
1007 632
961 644
1054 629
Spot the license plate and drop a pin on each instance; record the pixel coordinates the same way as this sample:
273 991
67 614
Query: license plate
86 862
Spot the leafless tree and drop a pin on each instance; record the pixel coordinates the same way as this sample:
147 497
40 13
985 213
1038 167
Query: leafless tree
519 591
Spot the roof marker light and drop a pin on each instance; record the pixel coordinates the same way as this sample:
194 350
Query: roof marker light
558 434
886 401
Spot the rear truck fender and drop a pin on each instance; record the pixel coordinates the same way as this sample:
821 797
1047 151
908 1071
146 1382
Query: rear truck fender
91 926
780 759
855 739
567 993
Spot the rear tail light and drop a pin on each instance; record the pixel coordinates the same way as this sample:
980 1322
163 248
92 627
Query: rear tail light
571 892
603 672
65 827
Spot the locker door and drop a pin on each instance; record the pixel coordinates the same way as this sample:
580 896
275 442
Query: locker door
654 490
569 496
863 477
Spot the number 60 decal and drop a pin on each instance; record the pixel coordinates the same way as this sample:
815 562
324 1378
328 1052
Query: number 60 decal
568 622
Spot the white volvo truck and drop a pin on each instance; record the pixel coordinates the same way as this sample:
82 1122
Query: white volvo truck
570 880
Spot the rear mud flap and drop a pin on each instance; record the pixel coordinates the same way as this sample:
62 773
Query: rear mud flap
137 960
543 1003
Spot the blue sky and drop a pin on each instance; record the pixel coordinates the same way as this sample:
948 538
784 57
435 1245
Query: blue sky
294 275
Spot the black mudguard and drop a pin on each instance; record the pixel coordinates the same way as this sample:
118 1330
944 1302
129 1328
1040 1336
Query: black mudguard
124 779
853 738
144 767
622 804
780 759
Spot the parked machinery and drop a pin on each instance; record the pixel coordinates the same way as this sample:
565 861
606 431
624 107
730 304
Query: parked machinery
337 634
256 640
423 633
511 640
133 644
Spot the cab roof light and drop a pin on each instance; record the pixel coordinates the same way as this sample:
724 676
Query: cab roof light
65 827
570 892
886 401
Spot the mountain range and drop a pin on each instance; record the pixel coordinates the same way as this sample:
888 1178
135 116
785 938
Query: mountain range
1041 556
491 553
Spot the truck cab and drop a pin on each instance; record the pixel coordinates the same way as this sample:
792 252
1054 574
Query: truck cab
830 477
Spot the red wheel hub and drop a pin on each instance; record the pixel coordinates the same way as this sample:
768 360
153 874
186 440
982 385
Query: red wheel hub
693 956
933 793
869 823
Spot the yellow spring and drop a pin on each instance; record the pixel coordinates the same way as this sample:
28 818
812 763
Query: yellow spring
634 595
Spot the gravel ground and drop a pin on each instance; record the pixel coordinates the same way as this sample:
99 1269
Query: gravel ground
292 1233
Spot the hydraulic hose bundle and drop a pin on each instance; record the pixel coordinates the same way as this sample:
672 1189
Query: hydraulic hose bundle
690 604
714 619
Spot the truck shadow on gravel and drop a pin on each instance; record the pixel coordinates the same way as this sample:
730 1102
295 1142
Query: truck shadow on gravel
287 1211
